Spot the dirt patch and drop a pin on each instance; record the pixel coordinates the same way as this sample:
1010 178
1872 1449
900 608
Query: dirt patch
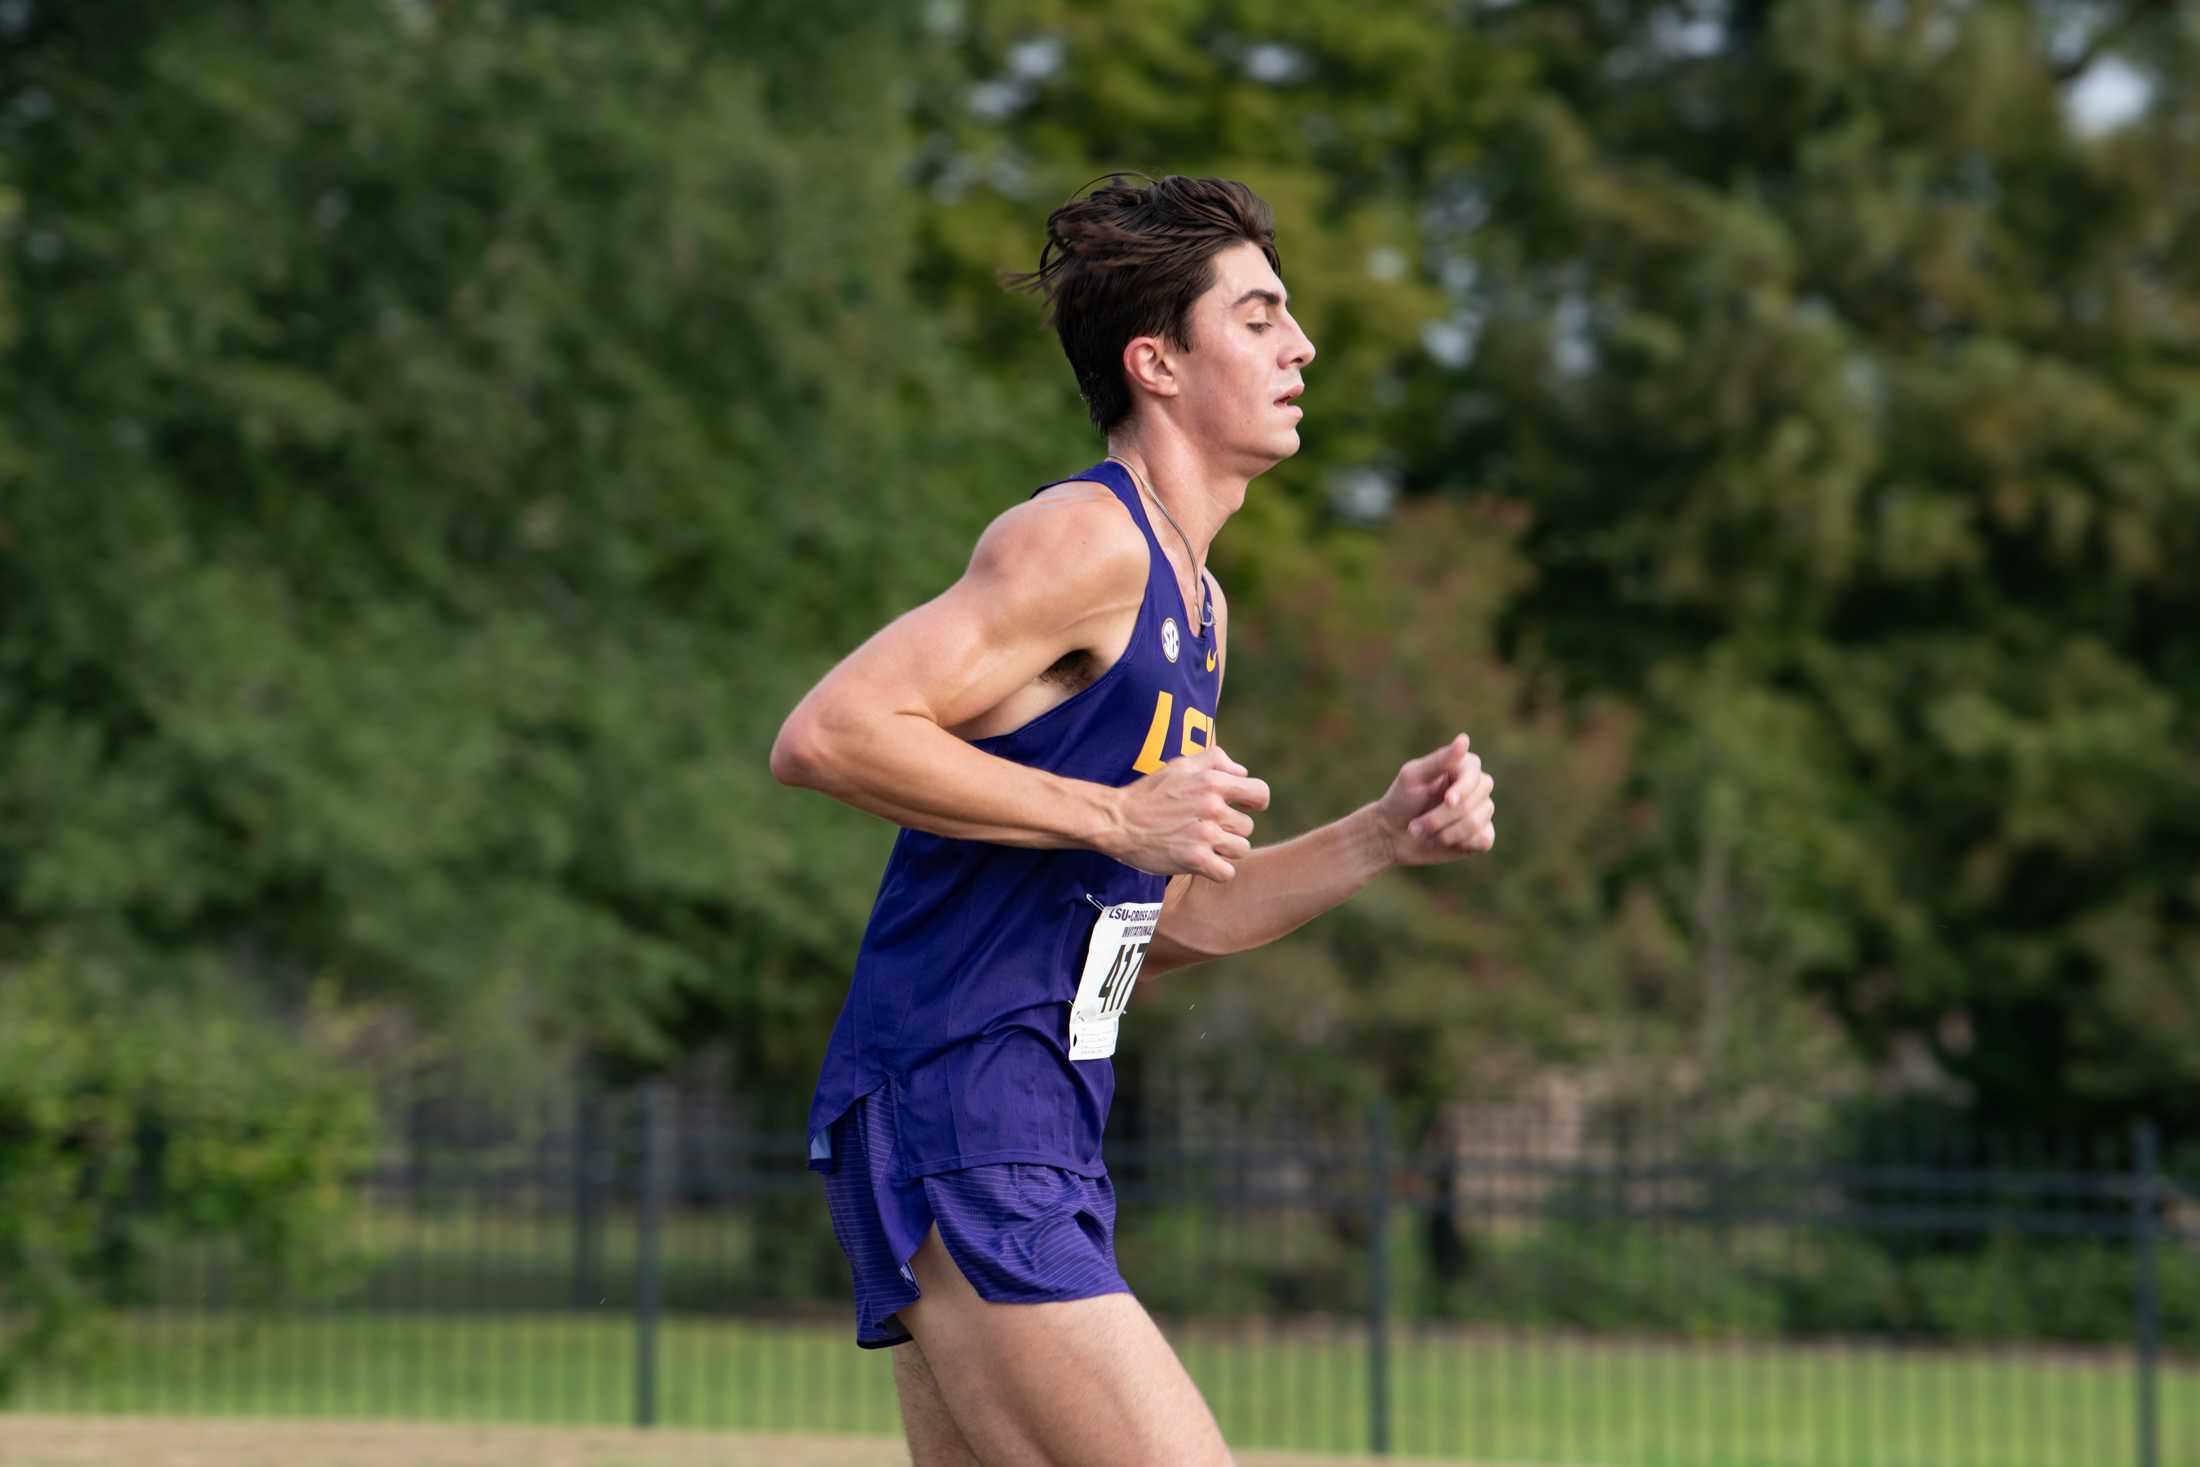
159 1441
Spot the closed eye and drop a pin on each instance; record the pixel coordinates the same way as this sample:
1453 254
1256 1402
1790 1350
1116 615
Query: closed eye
1259 325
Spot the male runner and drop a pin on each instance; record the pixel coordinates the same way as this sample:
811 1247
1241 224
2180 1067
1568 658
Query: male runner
1044 732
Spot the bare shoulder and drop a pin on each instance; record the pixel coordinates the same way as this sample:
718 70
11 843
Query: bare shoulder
1073 541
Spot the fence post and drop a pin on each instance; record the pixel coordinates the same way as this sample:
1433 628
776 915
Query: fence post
587 1158
656 1156
1378 1278
2148 1295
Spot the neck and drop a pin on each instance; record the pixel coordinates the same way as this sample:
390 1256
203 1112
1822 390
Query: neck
1198 494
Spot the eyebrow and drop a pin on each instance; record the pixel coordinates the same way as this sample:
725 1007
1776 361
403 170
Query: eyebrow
1256 293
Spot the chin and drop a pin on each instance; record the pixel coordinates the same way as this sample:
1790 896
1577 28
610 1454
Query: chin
1258 453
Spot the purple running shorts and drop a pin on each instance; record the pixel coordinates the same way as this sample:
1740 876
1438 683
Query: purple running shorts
1022 1233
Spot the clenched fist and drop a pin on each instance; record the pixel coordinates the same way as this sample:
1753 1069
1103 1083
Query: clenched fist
1189 816
1439 808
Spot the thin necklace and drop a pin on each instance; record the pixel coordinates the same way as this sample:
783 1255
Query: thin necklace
1206 611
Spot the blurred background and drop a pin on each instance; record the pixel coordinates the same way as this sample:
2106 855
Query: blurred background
440 439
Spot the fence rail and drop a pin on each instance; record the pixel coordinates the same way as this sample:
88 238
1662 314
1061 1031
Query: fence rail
1644 1299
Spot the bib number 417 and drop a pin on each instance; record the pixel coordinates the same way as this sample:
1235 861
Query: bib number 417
1112 961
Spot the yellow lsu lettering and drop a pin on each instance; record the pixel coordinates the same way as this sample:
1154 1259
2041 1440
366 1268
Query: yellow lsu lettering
1199 733
1199 723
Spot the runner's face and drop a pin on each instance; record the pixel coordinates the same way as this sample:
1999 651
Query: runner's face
1248 353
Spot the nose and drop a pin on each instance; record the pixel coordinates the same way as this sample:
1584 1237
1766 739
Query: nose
1303 351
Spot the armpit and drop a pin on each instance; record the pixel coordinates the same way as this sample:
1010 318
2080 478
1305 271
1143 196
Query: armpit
1071 671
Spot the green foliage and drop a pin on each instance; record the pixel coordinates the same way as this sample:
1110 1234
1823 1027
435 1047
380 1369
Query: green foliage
129 1124
455 436
1858 463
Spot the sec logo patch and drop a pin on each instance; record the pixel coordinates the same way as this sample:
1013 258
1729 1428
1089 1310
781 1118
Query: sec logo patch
1171 643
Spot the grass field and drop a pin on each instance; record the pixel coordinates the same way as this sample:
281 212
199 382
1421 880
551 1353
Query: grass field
1452 1396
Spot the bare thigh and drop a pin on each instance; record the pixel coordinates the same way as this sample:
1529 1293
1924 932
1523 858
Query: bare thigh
1081 1383
934 1439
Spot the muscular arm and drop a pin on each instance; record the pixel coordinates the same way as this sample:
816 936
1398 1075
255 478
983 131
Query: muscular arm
888 729
1046 579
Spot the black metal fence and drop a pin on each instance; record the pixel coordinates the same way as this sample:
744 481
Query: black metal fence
1518 1284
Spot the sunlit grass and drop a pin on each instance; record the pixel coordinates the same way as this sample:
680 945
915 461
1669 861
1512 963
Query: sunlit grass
1486 1397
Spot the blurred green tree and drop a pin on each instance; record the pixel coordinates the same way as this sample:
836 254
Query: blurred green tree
1849 371
450 437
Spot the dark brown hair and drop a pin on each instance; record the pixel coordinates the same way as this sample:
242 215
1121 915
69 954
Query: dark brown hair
1128 260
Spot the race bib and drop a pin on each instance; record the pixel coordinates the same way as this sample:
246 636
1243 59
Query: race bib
1118 948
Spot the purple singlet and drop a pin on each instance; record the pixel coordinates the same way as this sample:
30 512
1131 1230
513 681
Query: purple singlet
958 1018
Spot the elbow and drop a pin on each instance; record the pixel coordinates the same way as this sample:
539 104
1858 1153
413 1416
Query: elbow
827 747
796 757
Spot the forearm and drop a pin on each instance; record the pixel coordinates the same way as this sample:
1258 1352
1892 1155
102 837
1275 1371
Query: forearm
1277 890
909 770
